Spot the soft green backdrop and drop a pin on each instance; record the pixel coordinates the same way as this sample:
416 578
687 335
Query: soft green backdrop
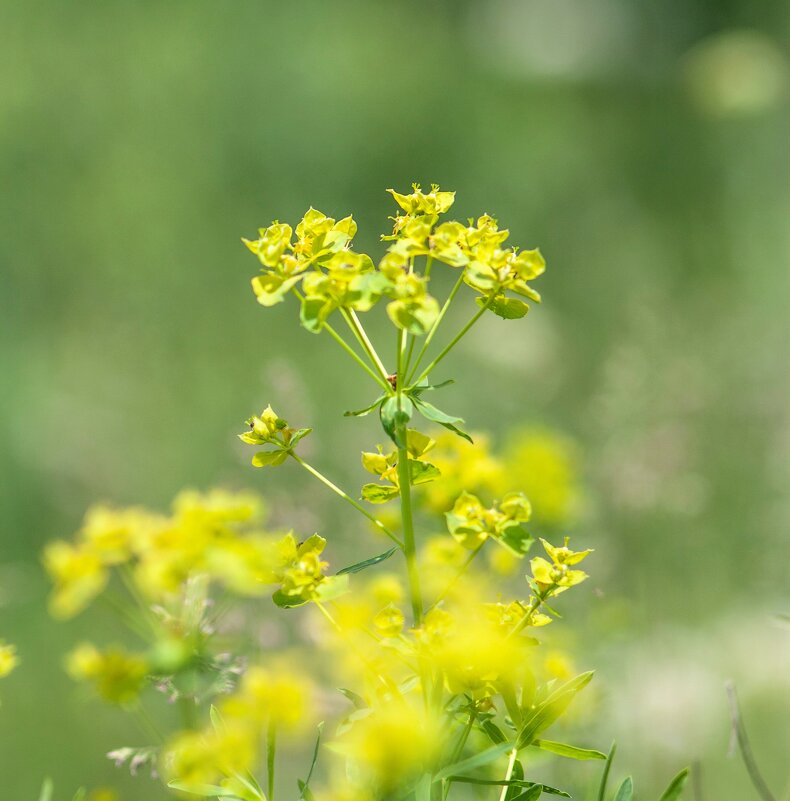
643 147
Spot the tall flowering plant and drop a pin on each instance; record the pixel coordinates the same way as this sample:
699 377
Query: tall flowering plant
446 692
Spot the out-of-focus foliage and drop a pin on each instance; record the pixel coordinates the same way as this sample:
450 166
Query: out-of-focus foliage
642 147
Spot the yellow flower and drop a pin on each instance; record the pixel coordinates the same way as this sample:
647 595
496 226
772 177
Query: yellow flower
463 466
280 695
472 524
8 658
544 464
78 574
396 741
209 756
434 202
389 621
116 675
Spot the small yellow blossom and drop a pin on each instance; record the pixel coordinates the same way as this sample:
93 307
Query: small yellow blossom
78 574
116 675
8 658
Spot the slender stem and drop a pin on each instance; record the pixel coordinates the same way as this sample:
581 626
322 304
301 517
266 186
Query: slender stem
409 547
510 766
125 614
461 570
410 351
380 381
428 265
746 750
346 497
348 349
435 325
349 315
537 602
271 752
404 487
457 338
147 722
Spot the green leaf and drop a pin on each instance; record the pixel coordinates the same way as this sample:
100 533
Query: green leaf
355 698
313 313
532 794
504 307
378 493
476 761
430 412
269 458
300 433
305 794
367 409
216 719
80 795
206 790
422 472
547 712
531 786
424 386
569 751
250 783
46 790
271 288
422 791
516 539
605 775
625 791
493 731
374 560
672 793
285 601
395 414
547 788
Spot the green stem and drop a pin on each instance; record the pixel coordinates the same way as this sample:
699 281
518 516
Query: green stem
271 752
537 602
461 570
346 497
508 775
758 782
349 315
380 381
435 326
349 350
407 518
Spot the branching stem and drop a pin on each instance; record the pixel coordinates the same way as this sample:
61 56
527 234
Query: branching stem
346 497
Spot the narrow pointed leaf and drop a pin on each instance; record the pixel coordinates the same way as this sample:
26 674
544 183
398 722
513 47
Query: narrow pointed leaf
430 412
367 409
625 791
569 751
374 560
672 793
476 761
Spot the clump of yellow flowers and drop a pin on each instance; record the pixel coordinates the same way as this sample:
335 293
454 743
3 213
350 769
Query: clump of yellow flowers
444 685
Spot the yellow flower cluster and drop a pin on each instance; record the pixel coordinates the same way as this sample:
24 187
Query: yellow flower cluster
318 256
471 523
117 676
540 462
385 466
276 697
213 535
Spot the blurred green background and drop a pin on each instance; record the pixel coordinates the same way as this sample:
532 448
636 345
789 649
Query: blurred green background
642 146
